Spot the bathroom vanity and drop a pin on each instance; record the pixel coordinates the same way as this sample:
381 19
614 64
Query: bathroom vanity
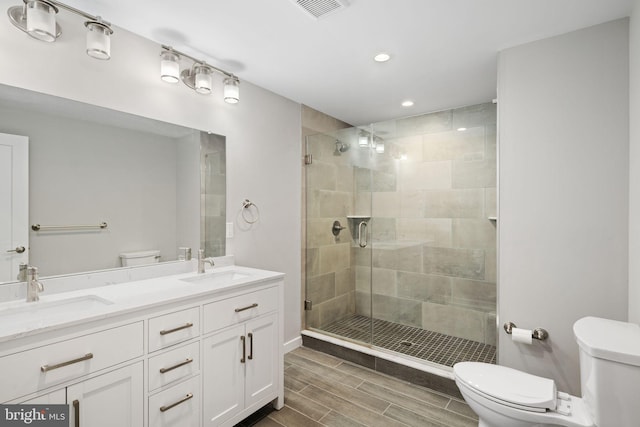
181 350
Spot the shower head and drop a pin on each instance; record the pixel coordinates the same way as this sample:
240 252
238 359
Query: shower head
340 148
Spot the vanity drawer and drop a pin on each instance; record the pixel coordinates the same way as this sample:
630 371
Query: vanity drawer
40 368
178 406
221 314
173 365
173 328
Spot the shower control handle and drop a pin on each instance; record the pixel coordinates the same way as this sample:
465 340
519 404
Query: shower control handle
362 236
337 228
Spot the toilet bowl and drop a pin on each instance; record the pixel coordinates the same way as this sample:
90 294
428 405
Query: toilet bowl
610 383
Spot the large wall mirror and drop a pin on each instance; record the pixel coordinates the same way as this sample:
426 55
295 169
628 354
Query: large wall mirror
156 186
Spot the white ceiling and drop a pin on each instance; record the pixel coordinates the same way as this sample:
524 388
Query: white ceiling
443 51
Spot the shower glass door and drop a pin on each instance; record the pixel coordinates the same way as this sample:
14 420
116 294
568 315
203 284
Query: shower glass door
338 236
411 268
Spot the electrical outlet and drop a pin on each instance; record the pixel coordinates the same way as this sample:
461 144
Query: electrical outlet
229 230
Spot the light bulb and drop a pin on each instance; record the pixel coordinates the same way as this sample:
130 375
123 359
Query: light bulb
231 90
41 20
169 67
98 40
203 79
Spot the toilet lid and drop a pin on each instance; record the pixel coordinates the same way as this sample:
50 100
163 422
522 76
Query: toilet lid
508 385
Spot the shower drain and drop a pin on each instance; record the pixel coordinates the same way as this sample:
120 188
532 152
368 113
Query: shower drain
406 343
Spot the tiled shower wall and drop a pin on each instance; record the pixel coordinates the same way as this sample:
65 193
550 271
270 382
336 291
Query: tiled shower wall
327 271
434 244
213 203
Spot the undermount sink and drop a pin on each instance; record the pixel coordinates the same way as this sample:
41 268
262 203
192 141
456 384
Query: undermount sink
216 279
42 313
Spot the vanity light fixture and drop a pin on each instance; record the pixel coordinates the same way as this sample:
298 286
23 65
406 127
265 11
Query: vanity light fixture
38 19
169 66
363 139
232 90
199 76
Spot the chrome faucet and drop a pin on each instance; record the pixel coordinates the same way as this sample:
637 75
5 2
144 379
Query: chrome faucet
34 286
202 260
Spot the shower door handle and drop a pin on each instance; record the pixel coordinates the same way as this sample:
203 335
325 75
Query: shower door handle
362 237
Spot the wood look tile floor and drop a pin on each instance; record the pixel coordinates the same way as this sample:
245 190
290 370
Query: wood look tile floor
322 390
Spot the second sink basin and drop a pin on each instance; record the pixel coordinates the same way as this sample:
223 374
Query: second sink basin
216 279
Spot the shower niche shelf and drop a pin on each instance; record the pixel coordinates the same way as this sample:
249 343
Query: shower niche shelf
355 217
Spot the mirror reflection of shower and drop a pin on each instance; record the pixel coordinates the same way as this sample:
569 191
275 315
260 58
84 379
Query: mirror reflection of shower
341 147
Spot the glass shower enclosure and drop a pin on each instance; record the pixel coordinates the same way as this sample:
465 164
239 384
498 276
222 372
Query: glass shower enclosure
401 235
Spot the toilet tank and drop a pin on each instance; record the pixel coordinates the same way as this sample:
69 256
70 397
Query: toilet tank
609 370
128 259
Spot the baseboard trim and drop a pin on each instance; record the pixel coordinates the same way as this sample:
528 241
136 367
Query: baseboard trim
292 344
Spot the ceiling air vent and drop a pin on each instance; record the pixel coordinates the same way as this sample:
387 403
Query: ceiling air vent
321 8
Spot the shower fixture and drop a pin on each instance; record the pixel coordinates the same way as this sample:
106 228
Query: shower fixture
341 147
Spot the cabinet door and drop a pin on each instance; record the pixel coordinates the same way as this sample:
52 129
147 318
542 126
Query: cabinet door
262 359
112 399
223 375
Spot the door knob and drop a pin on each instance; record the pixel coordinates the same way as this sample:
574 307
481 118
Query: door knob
19 249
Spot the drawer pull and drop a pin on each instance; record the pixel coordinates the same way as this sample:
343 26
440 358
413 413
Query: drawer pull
184 399
249 307
250 346
171 368
244 349
179 328
47 368
76 410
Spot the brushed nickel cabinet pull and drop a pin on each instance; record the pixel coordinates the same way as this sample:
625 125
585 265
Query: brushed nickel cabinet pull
47 368
184 399
250 346
171 368
249 307
244 349
179 328
76 410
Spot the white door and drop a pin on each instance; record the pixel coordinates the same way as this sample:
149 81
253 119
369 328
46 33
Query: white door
262 360
14 204
223 375
114 399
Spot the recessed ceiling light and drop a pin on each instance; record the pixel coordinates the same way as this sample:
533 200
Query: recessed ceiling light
382 57
461 129
407 103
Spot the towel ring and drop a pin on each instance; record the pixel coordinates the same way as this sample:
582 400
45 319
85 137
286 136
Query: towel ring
246 207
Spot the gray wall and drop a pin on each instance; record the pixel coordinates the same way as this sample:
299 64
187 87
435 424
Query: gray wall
634 164
563 185
262 132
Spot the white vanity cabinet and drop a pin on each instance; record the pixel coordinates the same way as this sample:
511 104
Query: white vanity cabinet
240 363
209 358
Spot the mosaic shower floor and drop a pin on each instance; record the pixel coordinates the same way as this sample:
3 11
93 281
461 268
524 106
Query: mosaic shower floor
415 342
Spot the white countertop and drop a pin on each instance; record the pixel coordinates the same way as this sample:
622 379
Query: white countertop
61 310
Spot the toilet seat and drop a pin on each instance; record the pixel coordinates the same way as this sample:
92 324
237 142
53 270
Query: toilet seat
508 386
503 396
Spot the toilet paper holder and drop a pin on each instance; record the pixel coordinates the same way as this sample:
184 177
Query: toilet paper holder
538 333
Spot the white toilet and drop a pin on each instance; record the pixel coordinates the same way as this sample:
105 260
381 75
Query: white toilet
128 259
610 384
